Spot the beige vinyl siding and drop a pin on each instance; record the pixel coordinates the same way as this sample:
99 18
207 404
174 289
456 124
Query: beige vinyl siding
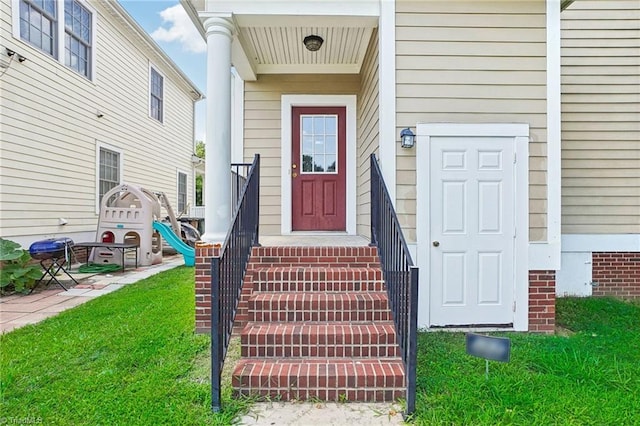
474 62
368 134
262 103
601 117
50 130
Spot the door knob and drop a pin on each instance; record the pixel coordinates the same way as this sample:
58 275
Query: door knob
294 166
436 243
294 175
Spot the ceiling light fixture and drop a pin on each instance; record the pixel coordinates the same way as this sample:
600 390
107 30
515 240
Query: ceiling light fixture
313 42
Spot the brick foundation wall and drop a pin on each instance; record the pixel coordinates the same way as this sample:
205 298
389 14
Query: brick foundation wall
542 301
617 274
204 253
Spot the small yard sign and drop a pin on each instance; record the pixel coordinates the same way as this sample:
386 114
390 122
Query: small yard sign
489 348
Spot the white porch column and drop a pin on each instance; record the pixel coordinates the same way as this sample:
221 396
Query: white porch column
217 188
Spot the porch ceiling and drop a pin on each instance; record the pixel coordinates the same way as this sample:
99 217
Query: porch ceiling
269 34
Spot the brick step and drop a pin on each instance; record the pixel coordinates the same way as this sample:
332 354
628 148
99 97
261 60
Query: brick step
333 379
282 307
360 340
324 279
358 257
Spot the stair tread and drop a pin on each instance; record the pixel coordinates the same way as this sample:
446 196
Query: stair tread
395 361
364 328
363 295
385 372
321 323
313 268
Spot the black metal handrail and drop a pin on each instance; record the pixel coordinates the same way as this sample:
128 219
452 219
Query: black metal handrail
400 275
239 173
227 274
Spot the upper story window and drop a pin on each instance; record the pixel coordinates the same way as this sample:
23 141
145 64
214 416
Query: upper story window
38 24
156 95
69 40
77 38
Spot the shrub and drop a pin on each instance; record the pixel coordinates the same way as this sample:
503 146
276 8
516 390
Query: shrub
17 269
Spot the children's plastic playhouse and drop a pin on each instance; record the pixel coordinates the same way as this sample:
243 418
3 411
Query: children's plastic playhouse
129 214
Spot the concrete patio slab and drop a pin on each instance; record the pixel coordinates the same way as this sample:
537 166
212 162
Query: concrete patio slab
18 310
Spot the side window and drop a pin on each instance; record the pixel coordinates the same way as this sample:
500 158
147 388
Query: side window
156 95
77 38
182 192
109 171
38 24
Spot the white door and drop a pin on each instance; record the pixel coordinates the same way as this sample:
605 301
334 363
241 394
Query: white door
472 231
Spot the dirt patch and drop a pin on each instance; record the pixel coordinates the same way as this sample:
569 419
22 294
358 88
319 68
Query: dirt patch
563 332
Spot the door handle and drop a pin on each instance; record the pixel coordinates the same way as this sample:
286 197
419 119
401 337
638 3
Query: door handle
294 175
436 243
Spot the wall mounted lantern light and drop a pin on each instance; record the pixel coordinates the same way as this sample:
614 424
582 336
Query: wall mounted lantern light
313 42
407 138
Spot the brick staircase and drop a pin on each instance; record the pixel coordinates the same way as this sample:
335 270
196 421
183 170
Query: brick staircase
315 324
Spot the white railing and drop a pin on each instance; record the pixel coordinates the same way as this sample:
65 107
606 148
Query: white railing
196 212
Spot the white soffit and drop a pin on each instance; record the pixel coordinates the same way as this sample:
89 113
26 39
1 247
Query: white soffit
274 44
269 34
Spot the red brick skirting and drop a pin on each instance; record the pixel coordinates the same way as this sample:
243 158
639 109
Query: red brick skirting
616 274
542 301
204 253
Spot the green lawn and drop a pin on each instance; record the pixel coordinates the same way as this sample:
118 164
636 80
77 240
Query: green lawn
589 377
131 357
126 358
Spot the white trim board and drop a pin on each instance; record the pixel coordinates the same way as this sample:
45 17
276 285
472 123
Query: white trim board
387 95
520 134
290 101
237 118
551 259
600 242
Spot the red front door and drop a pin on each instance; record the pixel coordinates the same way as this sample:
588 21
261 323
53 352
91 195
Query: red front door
318 166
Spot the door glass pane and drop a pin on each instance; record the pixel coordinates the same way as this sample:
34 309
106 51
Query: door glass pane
307 144
307 125
318 163
331 124
330 144
318 125
307 161
319 144
318 136
330 163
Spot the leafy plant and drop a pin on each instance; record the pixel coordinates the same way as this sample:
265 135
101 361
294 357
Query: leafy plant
17 268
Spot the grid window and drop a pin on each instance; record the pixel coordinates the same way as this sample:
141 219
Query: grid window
109 171
319 143
77 42
38 24
156 95
182 192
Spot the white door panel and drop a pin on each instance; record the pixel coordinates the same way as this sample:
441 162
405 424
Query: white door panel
472 230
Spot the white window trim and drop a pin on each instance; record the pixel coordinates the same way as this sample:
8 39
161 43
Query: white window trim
290 101
59 57
152 66
186 201
520 134
100 145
